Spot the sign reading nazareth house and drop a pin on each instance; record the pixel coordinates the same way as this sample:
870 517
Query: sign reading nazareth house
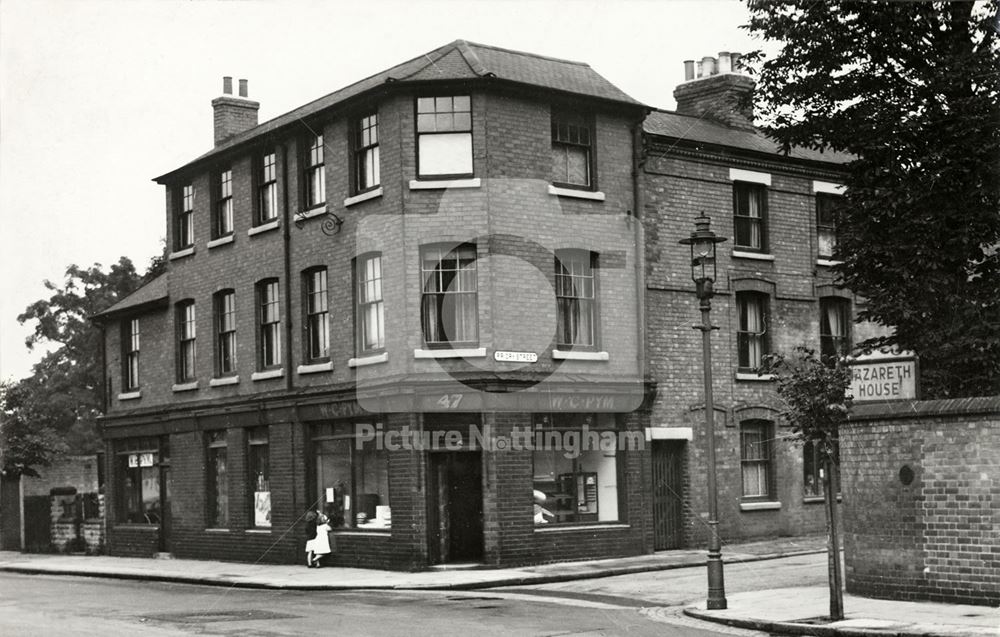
880 376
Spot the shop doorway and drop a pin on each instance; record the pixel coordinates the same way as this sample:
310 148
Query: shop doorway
165 518
668 501
455 507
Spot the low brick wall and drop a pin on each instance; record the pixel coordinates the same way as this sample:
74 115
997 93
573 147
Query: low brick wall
921 505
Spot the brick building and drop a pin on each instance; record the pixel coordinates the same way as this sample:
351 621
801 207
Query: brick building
446 305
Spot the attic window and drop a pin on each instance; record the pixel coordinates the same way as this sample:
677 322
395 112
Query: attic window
444 137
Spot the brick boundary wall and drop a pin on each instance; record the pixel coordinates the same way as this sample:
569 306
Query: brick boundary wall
921 507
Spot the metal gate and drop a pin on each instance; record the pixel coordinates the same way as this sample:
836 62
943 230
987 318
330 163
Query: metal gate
668 495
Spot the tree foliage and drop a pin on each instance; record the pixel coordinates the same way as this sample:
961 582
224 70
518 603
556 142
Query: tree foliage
912 91
55 409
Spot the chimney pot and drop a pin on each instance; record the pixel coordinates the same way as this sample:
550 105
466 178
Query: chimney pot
227 85
725 64
243 88
735 61
688 70
708 65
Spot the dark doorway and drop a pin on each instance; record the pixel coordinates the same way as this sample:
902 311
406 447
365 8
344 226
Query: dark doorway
10 513
164 544
37 524
668 501
455 507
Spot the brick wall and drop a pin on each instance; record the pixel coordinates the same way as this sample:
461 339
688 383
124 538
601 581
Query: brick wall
922 500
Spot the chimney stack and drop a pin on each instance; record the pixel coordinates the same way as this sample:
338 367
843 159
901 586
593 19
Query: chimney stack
233 114
717 88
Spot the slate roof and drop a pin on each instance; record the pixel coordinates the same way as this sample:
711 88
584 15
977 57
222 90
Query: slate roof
702 130
152 293
459 60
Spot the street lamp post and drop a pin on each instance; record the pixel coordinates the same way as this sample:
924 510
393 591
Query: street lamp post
703 272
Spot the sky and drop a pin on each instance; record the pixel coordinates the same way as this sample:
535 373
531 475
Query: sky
97 97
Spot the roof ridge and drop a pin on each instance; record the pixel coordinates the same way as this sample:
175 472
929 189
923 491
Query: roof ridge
471 58
525 53
438 54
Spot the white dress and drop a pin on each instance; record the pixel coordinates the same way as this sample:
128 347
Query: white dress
320 545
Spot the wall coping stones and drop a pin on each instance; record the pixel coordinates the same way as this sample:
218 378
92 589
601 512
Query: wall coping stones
909 408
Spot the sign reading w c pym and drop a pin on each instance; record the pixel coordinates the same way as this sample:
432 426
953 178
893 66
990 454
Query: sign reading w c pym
880 376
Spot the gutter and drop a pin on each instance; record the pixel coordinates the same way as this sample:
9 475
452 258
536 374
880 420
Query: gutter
286 237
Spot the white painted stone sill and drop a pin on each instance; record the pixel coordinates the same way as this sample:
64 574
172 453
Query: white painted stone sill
818 499
178 387
268 374
315 368
221 241
131 395
754 377
468 352
555 528
759 506
440 184
222 382
312 212
374 359
759 256
365 196
577 194
180 254
827 263
216 530
258 531
264 227
574 355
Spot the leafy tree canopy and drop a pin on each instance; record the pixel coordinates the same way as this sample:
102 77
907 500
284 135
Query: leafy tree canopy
55 409
912 90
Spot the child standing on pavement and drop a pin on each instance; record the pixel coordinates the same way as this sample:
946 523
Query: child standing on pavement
319 546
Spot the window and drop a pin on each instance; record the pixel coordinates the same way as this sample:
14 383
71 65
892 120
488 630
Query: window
572 163
223 221
751 342
316 320
444 136
269 334
217 486
750 216
366 159
826 223
574 299
184 226
315 173
755 459
450 306
352 476
137 464
267 189
575 481
225 321
812 469
259 467
371 318
130 354
834 328
186 341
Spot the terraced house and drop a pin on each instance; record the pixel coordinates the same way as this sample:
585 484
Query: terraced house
446 306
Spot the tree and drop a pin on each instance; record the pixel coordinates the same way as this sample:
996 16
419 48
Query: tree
815 395
912 91
55 409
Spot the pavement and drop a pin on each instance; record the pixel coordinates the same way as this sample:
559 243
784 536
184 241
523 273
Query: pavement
793 611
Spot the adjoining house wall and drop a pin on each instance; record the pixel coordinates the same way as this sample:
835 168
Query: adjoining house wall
922 500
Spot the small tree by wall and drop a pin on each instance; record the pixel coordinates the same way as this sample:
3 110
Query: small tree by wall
815 395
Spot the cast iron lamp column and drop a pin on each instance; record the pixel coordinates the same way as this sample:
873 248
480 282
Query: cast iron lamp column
702 242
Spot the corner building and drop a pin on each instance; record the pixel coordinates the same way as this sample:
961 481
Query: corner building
375 305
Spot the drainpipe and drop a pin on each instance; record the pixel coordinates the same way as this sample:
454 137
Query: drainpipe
104 369
638 165
286 236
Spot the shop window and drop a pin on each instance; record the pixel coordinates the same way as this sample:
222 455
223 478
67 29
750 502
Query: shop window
444 136
572 150
756 460
351 477
450 302
217 483
834 328
575 299
259 468
576 472
137 464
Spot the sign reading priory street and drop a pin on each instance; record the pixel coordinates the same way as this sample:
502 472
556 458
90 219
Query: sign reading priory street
883 378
